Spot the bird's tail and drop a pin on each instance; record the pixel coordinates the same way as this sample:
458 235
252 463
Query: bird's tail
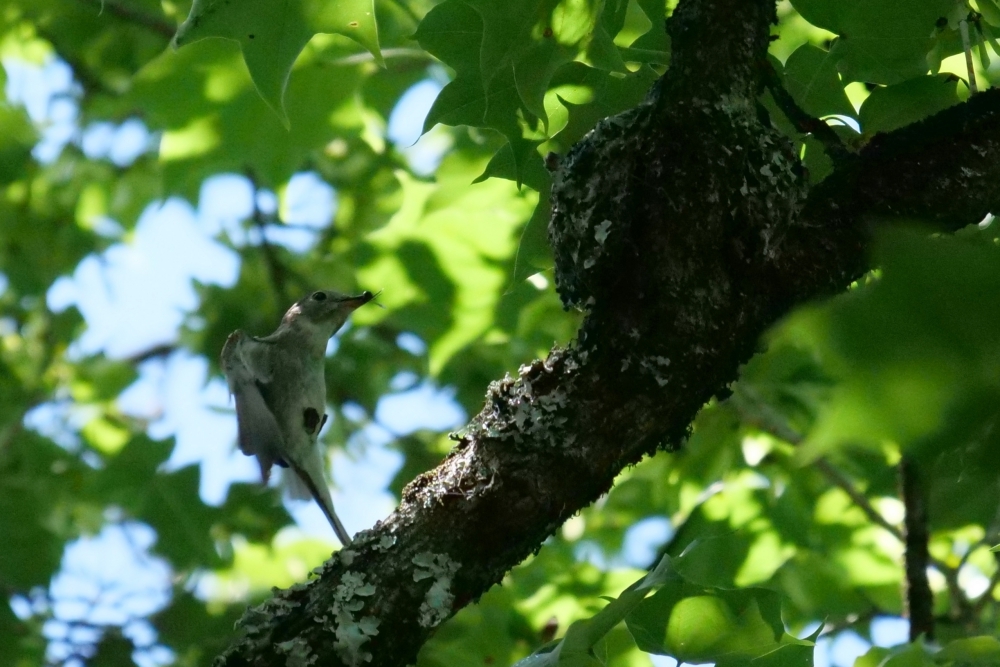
293 485
305 484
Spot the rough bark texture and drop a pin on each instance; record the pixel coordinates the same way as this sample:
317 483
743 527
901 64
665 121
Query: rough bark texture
686 228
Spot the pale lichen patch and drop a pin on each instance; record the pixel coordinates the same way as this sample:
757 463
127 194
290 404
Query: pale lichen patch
438 600
351 633
352 636
602 231
297 652
385 542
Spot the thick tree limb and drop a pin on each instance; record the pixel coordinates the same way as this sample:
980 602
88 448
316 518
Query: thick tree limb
685 227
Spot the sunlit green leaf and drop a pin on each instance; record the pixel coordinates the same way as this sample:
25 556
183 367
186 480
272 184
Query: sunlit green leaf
811 78
892 107
272 34
885 42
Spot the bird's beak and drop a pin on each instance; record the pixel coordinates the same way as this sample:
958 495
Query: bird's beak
354 302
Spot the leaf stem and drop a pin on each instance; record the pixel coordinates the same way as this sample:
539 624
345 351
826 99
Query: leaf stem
963 27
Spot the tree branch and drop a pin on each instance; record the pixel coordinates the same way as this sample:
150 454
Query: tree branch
839 480
768 420
918 598
685 227
150 21
802 121
160 351
276 269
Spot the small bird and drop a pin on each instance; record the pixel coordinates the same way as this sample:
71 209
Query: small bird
280 391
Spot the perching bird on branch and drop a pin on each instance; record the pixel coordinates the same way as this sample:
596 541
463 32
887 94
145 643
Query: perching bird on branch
280 391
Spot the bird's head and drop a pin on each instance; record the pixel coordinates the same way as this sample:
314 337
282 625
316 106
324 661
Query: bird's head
320 314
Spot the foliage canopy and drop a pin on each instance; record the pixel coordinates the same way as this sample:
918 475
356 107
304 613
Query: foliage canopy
781 511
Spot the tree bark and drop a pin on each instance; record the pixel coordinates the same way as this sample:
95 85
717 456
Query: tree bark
685 227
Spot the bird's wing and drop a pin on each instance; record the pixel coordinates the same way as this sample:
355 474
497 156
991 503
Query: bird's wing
259 434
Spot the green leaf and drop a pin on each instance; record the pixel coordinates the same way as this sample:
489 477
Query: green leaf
534 70
812 80
790 654
463 102
509 29
880 42
113 650
984 56
169 502
655 40
896 106
698 624
911 655
990 12
687 621
17 137
590 95
875 657
24 515
18 643
36 247
191 630
821 585
989 37
816 161
212 121
461 280
983 650
505 164
533 251
272 33
254 512
508 56
582 636
453 32
914 344
462 641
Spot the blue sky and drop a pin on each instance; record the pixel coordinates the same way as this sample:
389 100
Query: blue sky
136 295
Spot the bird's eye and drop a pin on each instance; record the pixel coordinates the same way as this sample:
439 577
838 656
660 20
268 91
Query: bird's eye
319 296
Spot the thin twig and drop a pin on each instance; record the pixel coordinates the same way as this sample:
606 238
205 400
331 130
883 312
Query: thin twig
802 121
853 621
155 352
365 56
963 27
154 23
841 481
89 81
768 420
275 269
